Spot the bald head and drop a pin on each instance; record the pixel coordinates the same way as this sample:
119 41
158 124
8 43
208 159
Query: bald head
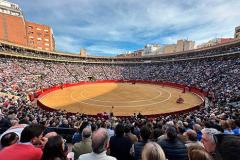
99 140
51 134
86 133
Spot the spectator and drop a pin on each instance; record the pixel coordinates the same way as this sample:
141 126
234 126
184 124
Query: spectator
173 148
30 136
236 130
54 149
144 138
77 137
50 134
128 133
18 128
152 151
226 125
85 146
192 138
4 123
156 134
197 152
197 128
227 147
9 139
99 146
64 124
119 145
109 129
208 140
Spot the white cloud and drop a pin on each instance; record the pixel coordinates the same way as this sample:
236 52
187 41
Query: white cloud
104 50
84 24
67 44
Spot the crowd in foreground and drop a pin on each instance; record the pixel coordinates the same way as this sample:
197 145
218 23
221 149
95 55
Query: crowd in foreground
148 140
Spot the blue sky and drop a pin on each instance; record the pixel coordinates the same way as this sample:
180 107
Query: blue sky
109 27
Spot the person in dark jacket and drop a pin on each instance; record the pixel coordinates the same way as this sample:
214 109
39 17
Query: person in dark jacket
4 123
129 135
144 138
173 148
227 147
119 145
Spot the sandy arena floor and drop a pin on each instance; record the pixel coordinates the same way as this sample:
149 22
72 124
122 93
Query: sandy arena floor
125 98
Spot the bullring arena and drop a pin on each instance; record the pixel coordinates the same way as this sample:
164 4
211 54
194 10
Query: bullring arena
123 99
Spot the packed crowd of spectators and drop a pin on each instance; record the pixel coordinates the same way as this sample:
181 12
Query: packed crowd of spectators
219 75
173 137
170 137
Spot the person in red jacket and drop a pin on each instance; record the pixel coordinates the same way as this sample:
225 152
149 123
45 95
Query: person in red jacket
31 136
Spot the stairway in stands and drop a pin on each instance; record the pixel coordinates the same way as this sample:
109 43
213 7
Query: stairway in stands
73 75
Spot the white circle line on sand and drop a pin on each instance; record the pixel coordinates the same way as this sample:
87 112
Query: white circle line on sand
136 101
170 95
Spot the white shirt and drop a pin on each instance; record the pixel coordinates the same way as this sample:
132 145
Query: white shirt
16 129
94 156
110 133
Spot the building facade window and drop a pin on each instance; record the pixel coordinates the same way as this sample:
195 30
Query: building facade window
39 34
39 43
31 42
30 27
30 32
